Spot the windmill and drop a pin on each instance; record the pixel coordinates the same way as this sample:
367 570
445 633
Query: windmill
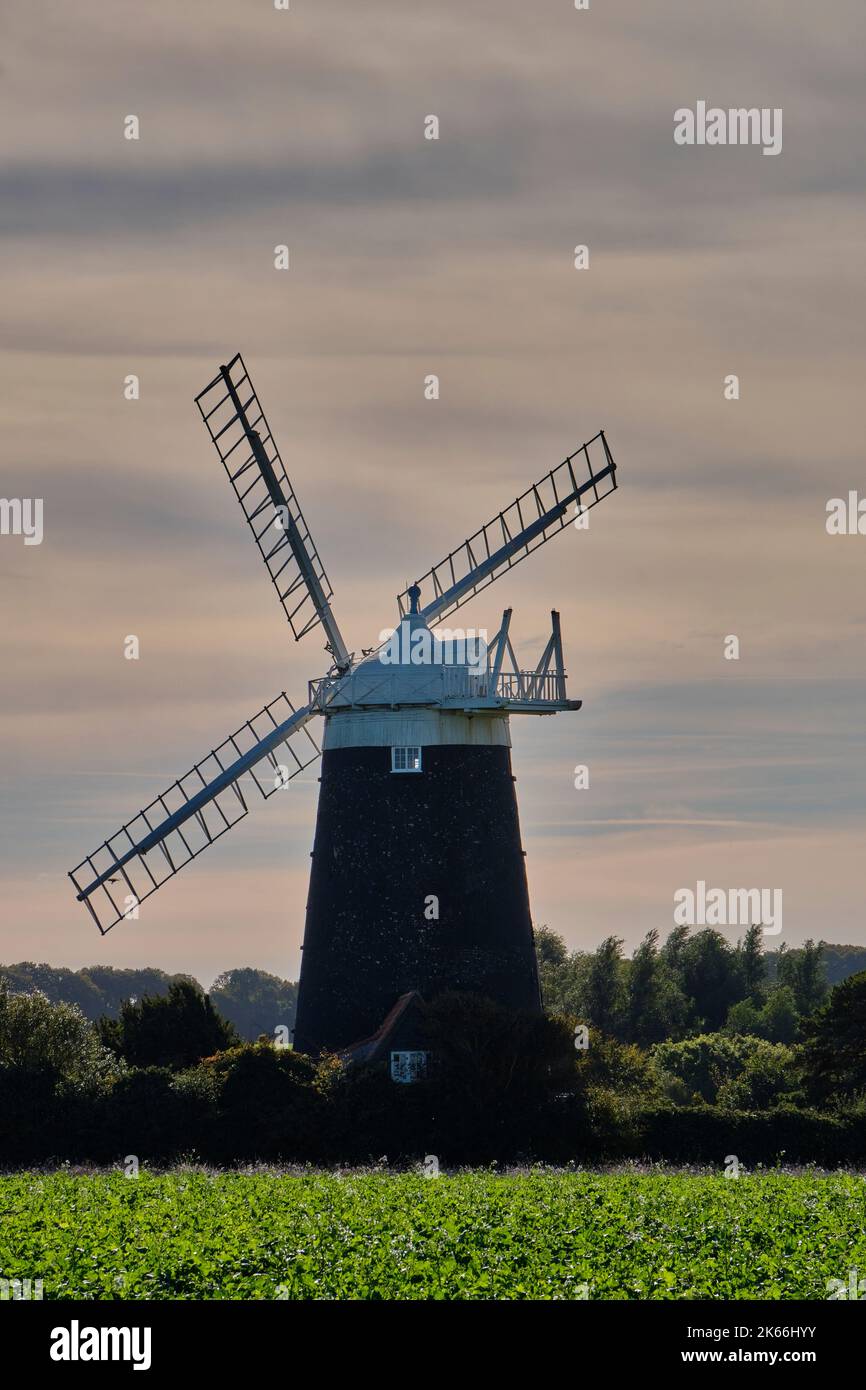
417 881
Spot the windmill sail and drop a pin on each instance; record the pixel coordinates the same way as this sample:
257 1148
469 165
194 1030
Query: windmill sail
584 478
269 749
242 437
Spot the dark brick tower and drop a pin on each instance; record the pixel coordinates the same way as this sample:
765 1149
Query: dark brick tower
418 878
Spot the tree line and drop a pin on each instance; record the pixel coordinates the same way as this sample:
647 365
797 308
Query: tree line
254 1001
688 1051
695 982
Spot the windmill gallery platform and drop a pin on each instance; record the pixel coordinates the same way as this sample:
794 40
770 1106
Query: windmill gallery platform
417 880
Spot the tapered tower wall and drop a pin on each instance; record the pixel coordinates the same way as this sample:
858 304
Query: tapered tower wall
418 878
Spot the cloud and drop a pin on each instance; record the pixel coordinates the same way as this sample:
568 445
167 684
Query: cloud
454 257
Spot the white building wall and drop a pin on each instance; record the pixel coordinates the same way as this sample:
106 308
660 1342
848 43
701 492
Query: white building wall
414 727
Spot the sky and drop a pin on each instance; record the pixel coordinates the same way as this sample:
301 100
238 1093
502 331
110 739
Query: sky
454 257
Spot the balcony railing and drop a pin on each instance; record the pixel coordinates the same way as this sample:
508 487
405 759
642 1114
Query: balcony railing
445 683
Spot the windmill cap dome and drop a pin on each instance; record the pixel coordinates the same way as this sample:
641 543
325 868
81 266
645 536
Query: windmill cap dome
414 665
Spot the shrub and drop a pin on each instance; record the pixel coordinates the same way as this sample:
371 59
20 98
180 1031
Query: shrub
694 1070
167 1030
53 1040
53 1074
705 1134
266 1103
769 1075
621 1067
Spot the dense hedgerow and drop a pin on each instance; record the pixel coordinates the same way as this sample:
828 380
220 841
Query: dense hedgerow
503 1087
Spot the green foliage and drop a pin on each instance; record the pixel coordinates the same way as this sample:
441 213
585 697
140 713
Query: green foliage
709 973
616 1066
484 1050
54 983
193 1235
562 975
776 1021
648 995
265 1100
694 983
605 992
753 965
144 1115
786 1134
657 1007
803 972
114 987
169 1077
834 1054
841 961
52 1040
97 990
744 1017
53 1072
779 1020
768 1077
699 1069
172 1030
255 1002
550 949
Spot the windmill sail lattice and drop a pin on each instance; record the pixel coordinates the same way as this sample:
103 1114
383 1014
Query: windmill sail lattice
416 762
268 750
242 437
584 477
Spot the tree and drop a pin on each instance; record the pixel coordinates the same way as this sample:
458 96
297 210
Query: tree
605 994
779 1018
53 1073
777 1022
842 961
173 1030
753 965
642 990
674 948
711 976
834 1054
744 1019
550 949
267 1105
610 1065
55 983
115 985
255 1002
802 970
561 976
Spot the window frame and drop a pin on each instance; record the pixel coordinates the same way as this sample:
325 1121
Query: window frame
408 1065
406 749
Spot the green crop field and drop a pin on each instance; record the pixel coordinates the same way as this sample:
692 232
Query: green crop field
476 1235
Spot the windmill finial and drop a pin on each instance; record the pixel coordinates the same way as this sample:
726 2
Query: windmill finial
414 595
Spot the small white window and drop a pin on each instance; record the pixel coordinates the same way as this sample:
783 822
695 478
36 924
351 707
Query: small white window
405 759
408 1066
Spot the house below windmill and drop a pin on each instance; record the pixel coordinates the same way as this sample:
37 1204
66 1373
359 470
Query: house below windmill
400 1041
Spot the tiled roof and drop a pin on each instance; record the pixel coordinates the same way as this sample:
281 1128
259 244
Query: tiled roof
368 1049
